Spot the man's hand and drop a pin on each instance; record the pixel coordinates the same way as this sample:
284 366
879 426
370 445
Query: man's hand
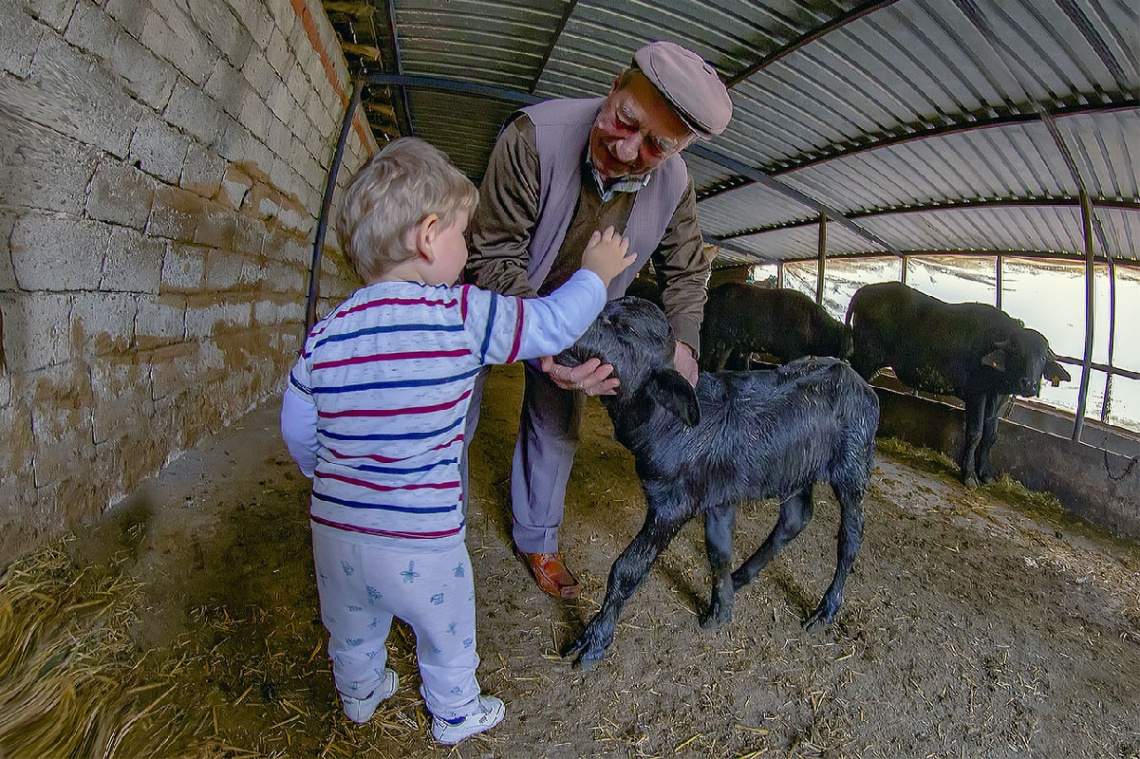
592 377
685 363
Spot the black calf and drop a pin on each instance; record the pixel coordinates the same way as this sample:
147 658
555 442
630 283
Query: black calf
739 436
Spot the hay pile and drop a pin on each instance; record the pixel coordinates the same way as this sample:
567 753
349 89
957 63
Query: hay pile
71 681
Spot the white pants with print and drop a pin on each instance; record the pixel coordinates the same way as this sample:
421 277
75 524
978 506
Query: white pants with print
361 588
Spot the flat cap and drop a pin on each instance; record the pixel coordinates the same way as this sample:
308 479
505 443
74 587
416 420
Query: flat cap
690 85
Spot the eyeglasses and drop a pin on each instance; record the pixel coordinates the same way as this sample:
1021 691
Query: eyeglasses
625 121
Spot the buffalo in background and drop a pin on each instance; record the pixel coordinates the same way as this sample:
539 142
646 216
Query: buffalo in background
742 319
972 351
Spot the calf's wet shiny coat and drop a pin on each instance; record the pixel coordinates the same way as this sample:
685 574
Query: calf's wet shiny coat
738 436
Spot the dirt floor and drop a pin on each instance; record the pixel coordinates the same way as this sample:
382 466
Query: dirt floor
976 624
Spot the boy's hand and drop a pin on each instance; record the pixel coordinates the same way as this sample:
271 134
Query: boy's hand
605 255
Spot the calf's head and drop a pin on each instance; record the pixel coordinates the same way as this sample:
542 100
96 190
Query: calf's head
633 336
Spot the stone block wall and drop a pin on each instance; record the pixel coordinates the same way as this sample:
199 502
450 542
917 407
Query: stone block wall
162 165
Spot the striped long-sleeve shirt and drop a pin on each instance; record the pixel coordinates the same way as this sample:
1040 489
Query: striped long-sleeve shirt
386 380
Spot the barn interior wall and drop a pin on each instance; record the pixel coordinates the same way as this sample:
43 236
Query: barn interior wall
163 169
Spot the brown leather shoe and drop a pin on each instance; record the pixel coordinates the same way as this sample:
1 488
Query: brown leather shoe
551 574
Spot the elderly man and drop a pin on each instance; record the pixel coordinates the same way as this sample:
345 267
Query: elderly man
560 170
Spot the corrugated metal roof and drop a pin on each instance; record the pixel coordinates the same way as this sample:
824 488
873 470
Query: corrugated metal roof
920 121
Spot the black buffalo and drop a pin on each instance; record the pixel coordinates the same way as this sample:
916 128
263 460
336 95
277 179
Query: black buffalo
972 351
738 436
742 319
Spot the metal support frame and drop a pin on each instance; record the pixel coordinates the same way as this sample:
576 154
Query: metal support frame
399 65
326 205
1106 403
1090 310
934 207
997 276
822 258
835 24
452 85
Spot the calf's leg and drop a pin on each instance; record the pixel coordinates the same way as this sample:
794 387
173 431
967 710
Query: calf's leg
850 537
795 513
626 575
719 523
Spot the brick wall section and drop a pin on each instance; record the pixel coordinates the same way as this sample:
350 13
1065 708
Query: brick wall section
162 164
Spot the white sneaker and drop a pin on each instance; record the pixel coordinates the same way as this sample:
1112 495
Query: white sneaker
360 710
489 713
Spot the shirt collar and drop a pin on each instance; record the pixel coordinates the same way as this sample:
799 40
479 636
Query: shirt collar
629 184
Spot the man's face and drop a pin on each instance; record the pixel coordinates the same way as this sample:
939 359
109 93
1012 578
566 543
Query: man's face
635 131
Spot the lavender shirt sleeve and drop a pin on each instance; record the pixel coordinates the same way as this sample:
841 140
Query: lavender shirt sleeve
299 429
505 328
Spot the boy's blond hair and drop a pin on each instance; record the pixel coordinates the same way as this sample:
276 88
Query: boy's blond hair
397 189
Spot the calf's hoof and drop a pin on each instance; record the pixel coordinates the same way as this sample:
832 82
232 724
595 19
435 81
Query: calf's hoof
740 579
586 660
574 647
587 654
821 617
715 616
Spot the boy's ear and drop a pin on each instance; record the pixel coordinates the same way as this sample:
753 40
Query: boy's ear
423 236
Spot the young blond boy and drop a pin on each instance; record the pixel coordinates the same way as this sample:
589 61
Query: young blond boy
374 412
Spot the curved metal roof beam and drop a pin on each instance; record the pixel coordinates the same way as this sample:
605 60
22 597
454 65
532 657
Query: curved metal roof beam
759 176
755 258
452 85
390 5
953 205
553 44
970 125
807 38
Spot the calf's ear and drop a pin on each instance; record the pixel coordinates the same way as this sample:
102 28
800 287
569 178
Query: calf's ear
674 392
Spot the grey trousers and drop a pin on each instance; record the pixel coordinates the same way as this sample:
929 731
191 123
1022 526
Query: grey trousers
362 587
544 456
